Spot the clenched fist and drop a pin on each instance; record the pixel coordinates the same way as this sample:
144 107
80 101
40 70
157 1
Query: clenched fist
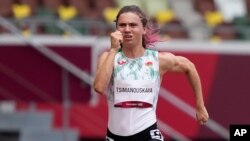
116 39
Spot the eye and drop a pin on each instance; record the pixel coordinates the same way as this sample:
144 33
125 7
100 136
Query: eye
122 25
133 24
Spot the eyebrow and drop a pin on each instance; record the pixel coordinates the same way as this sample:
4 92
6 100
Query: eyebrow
127 23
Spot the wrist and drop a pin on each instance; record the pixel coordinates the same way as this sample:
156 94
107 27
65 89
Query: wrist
200 105
199 99
113 49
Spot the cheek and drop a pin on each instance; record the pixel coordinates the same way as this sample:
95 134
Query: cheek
139 33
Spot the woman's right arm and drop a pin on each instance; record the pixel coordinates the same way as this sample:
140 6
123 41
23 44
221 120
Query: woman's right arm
104 71
105 64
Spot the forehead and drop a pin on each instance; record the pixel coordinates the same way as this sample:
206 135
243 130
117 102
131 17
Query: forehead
129 17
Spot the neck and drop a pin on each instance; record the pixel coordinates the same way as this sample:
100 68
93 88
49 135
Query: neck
133 52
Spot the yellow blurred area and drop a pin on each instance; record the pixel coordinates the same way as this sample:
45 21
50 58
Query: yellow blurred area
110 13
67 13
21 11
213 18
165 16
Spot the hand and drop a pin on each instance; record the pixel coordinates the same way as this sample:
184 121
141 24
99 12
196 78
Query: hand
202 114
116 39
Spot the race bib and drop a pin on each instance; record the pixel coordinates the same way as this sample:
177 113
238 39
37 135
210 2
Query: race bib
135 94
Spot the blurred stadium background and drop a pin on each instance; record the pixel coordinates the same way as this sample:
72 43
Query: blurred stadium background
48 53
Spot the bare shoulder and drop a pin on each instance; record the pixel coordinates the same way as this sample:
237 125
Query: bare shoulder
166 61
166 58
107 52
102 58
103 54
172 63
166 55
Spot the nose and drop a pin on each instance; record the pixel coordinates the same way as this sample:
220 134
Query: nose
127 28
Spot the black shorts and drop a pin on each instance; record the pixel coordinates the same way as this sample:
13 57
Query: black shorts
152 133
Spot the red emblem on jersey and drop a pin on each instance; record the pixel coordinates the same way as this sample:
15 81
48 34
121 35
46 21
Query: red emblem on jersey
149 63
121 62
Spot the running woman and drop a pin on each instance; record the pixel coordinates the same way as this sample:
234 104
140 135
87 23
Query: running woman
130 75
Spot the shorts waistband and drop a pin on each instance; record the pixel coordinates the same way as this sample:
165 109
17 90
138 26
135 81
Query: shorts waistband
143 135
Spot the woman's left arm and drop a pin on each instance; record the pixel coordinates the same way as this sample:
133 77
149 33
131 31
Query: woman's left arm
172 63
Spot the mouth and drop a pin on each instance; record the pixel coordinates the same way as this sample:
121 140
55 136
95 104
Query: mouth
127 37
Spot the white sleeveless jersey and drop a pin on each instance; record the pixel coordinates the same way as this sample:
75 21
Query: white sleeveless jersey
133 93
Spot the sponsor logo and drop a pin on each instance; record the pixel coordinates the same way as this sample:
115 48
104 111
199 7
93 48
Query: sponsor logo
156 134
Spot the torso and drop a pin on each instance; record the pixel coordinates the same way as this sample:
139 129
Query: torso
133 93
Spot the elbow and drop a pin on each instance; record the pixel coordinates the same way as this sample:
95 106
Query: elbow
99 89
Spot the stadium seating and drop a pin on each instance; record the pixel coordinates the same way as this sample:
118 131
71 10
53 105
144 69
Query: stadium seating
94 18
